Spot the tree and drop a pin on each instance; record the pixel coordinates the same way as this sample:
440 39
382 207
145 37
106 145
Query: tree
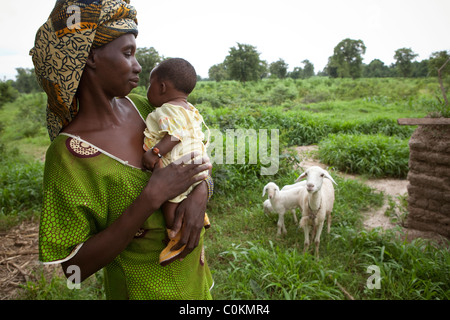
404 58
278 69
308 69
419 69
243 63
26 81
296 73
218 72
376 69
303 73
436 61
346 60
148 58
7 92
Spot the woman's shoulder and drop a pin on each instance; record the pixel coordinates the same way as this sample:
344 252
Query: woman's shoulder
65 147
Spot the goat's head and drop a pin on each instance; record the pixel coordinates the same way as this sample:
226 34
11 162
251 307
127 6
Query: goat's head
271 189
314 178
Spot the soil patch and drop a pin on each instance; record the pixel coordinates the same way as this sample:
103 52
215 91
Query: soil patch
19 258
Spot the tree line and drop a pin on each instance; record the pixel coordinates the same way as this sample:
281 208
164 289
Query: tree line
243 63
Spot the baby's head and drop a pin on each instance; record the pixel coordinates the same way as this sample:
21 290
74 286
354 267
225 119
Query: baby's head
171 77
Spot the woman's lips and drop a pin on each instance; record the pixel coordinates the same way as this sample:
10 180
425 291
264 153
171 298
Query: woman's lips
135 81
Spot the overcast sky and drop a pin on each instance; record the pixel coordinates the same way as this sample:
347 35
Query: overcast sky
203 31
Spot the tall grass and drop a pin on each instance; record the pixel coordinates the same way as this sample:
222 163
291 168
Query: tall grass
20 188
372 155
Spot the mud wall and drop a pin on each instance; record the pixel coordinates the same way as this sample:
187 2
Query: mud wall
429 179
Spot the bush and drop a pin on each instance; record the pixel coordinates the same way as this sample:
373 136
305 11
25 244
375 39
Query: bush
31 115
372 155
20 187
7 92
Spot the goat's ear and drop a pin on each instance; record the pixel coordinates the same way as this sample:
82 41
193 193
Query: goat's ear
301 177
264 191
327 175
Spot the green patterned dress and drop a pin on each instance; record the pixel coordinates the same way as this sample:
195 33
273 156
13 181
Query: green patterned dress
85 190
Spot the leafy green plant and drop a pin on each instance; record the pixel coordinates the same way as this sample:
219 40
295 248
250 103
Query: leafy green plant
372 155
20 187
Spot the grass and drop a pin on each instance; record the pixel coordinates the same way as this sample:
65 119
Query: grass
53 286
352 121
20 188
371 155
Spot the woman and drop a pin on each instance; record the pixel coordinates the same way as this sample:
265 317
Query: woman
101 210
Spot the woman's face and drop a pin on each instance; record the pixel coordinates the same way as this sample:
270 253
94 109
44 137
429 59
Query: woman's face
117 67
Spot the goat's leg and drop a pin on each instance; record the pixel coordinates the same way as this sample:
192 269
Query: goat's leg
314 230
295 216
280 224
304 224
317 238
328 221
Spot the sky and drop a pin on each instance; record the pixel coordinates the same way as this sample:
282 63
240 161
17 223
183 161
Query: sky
203 31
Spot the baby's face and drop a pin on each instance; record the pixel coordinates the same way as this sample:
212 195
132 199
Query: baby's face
153 91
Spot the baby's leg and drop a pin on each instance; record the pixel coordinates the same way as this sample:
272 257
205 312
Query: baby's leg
167 255
168 209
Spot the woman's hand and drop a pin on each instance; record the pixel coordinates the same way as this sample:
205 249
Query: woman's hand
167 183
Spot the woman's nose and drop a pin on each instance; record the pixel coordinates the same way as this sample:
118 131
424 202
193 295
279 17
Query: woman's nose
136 66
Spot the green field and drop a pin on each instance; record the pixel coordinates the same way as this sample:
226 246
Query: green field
354 124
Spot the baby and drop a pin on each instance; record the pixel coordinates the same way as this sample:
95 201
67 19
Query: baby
174 129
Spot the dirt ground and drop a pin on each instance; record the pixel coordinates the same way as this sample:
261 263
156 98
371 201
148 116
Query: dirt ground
19 245
19 258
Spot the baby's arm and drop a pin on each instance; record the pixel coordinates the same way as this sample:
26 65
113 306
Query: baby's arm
164 146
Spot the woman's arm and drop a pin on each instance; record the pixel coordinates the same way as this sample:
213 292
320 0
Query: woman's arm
164 184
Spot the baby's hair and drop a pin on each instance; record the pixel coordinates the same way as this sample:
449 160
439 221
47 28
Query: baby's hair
178 71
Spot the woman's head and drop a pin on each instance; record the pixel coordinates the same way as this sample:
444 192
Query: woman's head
63 45
113 68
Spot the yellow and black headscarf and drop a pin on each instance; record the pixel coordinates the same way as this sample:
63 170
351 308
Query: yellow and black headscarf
62 46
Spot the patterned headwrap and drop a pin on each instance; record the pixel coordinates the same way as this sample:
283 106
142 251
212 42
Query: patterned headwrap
62 47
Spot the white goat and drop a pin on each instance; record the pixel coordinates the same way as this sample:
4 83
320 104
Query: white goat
282 200
267 206
316 202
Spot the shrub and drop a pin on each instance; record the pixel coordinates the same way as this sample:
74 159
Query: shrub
372 155
20 187
7 92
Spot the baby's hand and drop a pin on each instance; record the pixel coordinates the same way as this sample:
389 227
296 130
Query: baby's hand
149 160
